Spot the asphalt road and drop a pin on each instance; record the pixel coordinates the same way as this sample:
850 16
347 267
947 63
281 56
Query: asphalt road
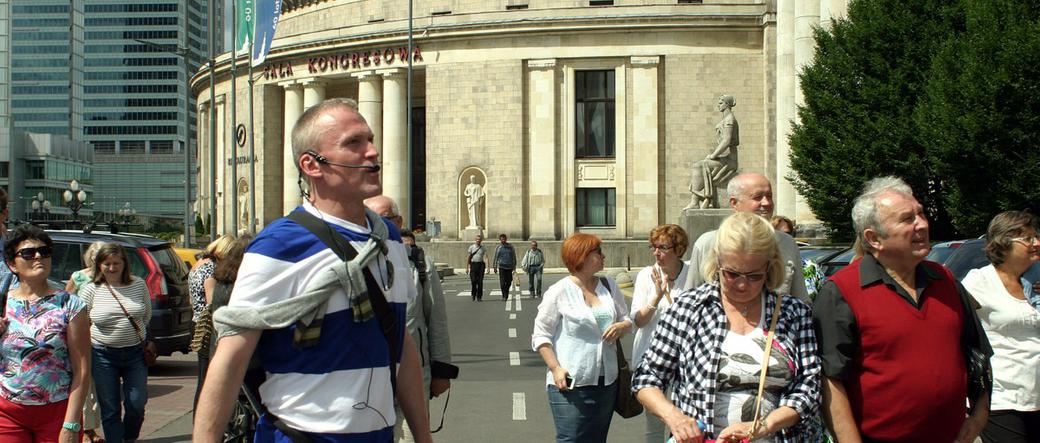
500 393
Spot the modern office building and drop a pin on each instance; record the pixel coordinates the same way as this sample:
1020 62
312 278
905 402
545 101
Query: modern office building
138 58
46 62
573 116
40 168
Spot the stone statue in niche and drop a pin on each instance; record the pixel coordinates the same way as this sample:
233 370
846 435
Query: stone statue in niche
715 170
474 195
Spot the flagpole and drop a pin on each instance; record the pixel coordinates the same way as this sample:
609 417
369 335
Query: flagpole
408 157
212 121
234 126
252 145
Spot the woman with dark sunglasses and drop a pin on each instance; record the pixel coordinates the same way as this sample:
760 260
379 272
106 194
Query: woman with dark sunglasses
710 345
45 348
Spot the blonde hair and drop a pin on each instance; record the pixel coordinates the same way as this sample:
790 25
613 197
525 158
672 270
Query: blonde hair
219 248
746 232
91 253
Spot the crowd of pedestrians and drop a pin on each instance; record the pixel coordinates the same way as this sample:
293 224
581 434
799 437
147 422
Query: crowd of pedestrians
753 344
344 316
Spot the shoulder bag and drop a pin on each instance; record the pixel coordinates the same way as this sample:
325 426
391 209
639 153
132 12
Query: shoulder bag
148 347
625 403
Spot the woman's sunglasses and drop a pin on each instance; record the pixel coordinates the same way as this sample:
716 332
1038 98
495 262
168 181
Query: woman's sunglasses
30 253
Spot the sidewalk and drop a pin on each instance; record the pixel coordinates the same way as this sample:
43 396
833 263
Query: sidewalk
171 391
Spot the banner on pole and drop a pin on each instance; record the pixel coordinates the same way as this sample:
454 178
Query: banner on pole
244 22
266 14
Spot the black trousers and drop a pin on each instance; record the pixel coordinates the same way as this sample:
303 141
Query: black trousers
476 280
1009 426
505 280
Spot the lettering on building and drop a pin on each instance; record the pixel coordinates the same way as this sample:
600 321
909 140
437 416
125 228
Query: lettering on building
321 64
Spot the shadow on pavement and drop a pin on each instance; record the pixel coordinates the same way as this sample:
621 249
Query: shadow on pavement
174 439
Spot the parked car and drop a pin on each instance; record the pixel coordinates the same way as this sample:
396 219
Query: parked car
820 254
154 261
942 251
836 262
189 255
972 255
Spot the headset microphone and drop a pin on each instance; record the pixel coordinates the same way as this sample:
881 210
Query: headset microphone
321 159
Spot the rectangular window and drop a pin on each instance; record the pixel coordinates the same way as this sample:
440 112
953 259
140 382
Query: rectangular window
36 170
131 147
104 147
162 146
596 207
594 113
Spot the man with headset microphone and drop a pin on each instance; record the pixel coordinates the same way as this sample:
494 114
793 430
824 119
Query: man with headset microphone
317 300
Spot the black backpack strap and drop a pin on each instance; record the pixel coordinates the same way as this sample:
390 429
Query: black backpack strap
387 320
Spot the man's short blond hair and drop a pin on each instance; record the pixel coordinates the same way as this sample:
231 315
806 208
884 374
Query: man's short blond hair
306 134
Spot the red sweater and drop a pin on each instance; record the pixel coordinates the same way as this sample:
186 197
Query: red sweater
908 381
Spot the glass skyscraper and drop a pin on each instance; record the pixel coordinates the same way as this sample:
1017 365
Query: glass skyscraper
111 73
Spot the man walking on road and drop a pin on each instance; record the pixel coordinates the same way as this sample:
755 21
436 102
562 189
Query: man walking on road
750 192
895 333
533 263
505 263
332 373
476 265
427 318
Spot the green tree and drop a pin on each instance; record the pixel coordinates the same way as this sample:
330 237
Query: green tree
200 228
857 123
980 116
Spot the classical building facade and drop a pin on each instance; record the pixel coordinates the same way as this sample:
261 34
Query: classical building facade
572 116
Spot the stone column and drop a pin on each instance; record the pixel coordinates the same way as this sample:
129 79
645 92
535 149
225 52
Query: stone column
395 140
293 110
806 16
542 153
370 104
645 171
313 93
784 200
831 10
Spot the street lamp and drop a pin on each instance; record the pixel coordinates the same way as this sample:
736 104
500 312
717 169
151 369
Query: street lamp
126 215
184 52
40 206
74 198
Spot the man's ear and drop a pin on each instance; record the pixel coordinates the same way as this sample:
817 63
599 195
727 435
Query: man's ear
872 238
309 166
733 202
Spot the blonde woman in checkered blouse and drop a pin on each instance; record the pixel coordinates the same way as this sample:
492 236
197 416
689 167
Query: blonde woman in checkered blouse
709 346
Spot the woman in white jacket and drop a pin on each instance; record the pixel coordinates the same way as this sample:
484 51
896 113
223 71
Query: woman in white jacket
1012 325
578 325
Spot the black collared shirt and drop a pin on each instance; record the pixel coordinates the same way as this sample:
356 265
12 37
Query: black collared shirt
836 329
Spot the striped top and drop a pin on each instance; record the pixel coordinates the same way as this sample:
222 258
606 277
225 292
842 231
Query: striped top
340 388
108 325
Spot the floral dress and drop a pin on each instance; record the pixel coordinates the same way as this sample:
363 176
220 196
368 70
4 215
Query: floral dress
35 357
196 288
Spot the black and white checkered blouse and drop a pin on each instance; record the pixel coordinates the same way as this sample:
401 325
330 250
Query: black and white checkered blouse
686 349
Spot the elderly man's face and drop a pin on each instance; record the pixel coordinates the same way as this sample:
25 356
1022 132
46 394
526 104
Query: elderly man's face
757 197
905 226
534 245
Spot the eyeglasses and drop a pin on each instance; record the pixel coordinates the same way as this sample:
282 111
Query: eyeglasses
1028 241
732 276
663 248
30 253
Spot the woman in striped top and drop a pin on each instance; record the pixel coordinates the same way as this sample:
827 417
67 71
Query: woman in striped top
120 310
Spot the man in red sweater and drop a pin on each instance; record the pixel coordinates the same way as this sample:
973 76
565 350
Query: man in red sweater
894 331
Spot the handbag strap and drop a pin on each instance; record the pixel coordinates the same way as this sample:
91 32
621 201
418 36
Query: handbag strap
757 422
127 314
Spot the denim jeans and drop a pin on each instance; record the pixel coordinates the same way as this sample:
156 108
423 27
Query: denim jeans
534 280
121 379
582 414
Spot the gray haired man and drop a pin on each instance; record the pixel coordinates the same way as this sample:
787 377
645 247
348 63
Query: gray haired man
749 192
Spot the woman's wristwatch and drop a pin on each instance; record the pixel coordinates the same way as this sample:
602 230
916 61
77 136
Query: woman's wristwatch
74 427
